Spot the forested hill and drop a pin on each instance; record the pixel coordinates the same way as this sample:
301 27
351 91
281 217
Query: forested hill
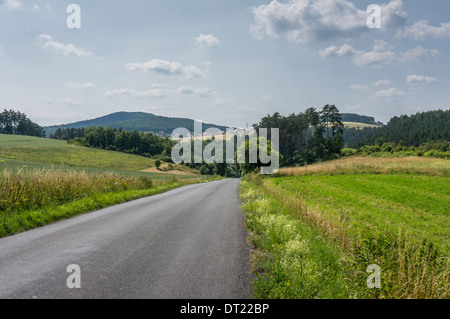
411 130
352 117
140 121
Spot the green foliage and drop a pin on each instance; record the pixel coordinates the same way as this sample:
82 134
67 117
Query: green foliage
411 130
290 260
307 137
12 122
436 149
144 144
352 117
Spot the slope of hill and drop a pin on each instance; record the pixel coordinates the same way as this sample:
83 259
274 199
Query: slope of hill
140 121
356 118
411 130
17 151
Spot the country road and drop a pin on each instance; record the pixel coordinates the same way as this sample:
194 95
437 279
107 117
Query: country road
186 243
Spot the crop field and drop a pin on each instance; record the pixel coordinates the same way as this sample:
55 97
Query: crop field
350 214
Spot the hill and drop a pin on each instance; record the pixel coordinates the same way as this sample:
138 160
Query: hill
356 118
140 121
17 151
411 130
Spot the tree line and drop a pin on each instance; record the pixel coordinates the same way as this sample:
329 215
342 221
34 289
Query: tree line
307 137
133 142
413 130
12 122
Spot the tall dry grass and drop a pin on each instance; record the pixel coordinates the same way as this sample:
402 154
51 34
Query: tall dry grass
24 190
373 165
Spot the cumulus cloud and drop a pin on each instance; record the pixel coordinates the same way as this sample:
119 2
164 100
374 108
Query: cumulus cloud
78 85
207 41
158 91
359 87
167 68
420 78
419 53
334 51
382 83
47 42
316 20
64 101
422 30
382 54
390 93
11 4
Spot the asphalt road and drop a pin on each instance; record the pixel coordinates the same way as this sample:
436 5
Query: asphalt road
188 243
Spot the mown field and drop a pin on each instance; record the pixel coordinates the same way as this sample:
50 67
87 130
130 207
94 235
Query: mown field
43 181
316 229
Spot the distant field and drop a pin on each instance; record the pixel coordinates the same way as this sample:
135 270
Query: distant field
360 125
373 165
54 152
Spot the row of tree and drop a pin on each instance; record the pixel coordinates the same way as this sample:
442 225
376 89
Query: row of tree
308 136
411 130
134 142
66 134
12 122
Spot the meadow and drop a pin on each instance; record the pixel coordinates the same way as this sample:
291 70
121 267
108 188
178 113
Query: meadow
349 214
43 181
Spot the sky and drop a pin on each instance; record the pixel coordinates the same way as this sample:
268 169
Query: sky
228 62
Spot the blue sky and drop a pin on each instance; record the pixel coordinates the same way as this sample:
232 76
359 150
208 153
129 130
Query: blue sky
228 62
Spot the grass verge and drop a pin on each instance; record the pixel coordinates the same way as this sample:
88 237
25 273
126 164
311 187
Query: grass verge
33 199
340 224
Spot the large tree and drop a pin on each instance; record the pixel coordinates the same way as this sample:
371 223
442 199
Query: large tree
12 122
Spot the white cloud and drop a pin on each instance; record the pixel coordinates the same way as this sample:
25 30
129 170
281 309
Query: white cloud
167 68
47 42
12 4
202 92
35 6
419 53
65 101
78 85
334 51
388 94
207 41
382 54
420 78
422 30
2 53
314 20
158 91
359 87
382 83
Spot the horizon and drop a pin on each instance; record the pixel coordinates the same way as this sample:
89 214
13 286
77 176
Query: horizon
229 63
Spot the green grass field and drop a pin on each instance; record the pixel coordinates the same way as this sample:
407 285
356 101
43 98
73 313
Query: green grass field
418 205
60 153
44 180
358 214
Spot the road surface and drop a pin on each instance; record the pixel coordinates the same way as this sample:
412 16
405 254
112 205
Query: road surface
188 243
